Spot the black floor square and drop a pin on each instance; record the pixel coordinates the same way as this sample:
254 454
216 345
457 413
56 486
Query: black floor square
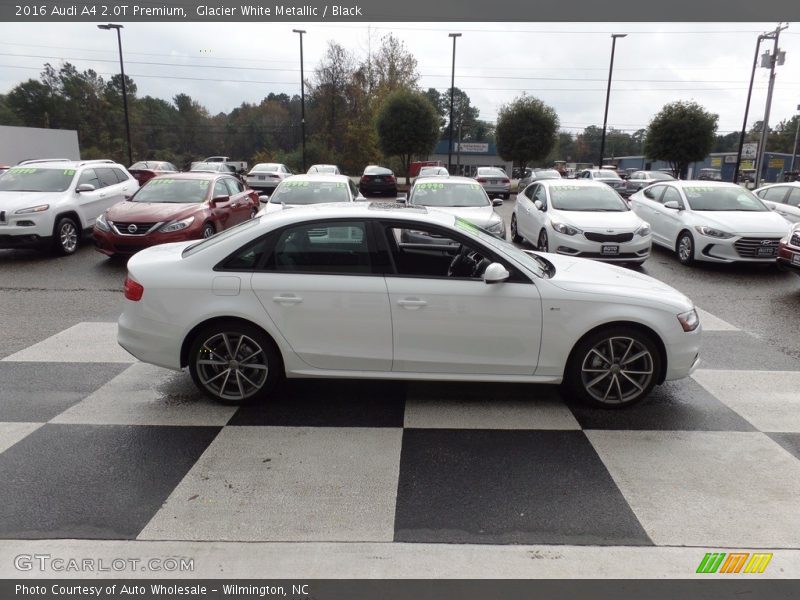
93 481
35 392
329 403
494 487
790 441
683 405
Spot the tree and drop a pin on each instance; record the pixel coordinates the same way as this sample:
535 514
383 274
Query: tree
681 133
407 126
393 68
526 130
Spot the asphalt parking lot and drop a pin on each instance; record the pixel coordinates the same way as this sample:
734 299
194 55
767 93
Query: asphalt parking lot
389 478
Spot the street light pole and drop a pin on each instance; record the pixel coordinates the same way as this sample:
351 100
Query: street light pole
775 35
302 97
614 37
746 111
796 132
124 90
452 92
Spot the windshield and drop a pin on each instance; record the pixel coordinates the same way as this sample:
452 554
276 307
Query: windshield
324 169
207 166
733 198
292 191
448 194
534 263
265 167
607 175
657 175
486 172
600 198
547 175
30 179
179 191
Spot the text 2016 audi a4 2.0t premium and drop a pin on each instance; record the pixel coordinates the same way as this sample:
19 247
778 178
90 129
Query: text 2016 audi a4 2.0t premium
173 208
331 290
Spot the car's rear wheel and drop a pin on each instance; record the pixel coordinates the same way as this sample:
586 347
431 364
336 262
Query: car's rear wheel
685 248
66 236
515 236
233 362
543 243
613 367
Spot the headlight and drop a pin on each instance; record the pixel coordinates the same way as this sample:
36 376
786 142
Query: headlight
711 232
176 225
32 209
689 320
102 224
643 230
565 229
498 227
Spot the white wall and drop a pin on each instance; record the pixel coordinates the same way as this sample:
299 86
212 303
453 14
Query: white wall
19 143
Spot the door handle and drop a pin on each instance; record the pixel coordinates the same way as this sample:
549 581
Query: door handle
412 303
287 300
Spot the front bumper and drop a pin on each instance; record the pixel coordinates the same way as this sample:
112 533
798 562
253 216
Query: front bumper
789 259
635 250
736 249
36 231
683 359
113 244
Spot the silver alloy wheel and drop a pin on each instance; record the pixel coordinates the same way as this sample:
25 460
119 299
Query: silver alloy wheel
617 369
68 236
514 233
685 248
232 366
208 231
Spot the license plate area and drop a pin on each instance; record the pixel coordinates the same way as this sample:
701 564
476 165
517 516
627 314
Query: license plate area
609 250
766 252
796 259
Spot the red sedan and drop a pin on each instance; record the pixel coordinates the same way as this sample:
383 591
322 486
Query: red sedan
144 170
789 251
174 208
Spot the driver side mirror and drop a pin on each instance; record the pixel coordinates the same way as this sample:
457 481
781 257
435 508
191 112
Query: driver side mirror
672 204
495 273
497 202
538 204
219 200
85 187
263 199
402 198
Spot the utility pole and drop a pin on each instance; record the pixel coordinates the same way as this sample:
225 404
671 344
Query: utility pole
452 91
738 164
614 37
302 97
777 57
796 132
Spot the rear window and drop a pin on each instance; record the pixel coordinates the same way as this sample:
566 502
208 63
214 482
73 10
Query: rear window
486 172
607 175
377 171
266 168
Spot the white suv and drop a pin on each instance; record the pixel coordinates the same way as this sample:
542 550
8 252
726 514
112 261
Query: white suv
52 202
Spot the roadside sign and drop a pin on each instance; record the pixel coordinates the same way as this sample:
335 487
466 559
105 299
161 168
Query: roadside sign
750 150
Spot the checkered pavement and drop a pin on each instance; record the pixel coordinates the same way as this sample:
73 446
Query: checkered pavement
95 445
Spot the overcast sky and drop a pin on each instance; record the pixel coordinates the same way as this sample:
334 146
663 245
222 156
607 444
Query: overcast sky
564 64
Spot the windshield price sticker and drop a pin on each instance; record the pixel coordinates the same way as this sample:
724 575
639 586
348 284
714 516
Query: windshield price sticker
162 181
69 171
293 184
698 190
22 170
564 188
430 186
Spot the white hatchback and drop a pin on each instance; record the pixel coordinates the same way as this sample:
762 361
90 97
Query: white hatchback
710 221
333 291
582 218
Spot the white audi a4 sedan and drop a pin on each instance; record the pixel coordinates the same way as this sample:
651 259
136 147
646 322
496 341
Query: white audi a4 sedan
333 291
580 217
710 221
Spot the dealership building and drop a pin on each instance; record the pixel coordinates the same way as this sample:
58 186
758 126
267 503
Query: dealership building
468 156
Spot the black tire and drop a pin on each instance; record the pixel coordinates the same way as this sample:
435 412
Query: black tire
253 213
515 236
543 243
685 248
233 348
208 230
605 356
66 236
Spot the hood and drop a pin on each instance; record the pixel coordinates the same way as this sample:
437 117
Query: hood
744 223
155 212
592 277
598 221
11 201
478 215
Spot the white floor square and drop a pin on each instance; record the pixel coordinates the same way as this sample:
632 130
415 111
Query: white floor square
287 484
709 489
148 395
484 406
84 342
11 433
712 323
770 400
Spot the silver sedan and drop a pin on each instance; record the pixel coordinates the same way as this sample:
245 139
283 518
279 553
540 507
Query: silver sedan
495 181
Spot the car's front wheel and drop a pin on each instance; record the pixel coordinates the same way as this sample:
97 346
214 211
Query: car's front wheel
234 362
685 248
515 236
613 367
209 230
66 236
543 244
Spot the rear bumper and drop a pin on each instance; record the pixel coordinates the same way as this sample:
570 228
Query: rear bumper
150 341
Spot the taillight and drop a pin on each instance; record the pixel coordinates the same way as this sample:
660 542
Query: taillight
392 179
505 181
133 289
366 178
481 180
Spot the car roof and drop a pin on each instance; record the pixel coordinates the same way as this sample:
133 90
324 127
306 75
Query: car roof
191 175
445 180
61 163
329 177
703 183
359 210
781 183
